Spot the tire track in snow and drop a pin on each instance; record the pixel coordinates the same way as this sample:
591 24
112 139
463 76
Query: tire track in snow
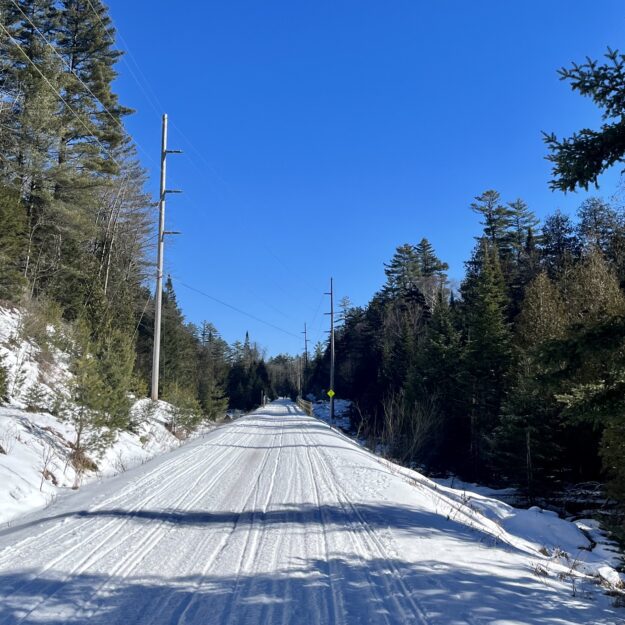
252 539
371 544
338 608
141 550
145 481
95 555
180 615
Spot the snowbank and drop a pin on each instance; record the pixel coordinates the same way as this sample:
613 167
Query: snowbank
342 408
563 549
35 446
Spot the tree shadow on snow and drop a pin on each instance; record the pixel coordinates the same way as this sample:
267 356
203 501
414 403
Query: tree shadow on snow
331 592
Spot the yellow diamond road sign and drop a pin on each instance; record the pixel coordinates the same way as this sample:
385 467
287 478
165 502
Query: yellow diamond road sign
331 393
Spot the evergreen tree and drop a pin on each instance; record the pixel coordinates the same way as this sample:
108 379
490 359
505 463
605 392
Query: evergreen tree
523 221
85 42
580 159
589 369
597 224
402 272
211 372
435 382
178 345
497 220
487 355
580 364
560 245
99 406
527 441
432 277
12 245
4 385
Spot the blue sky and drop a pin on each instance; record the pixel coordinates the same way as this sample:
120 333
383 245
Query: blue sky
318 136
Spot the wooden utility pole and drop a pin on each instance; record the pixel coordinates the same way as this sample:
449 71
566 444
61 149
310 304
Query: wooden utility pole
331 313
156 353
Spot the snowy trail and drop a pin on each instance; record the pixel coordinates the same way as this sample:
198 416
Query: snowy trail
275 518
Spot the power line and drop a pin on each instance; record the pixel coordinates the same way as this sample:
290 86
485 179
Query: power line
239 310
71 71
207 165
151 101
89 130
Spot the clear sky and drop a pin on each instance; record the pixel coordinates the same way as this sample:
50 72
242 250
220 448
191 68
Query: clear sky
320 135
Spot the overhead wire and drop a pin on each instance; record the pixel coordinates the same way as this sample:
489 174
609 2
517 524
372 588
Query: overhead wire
67 104
153 101
107 151
116 120
236 309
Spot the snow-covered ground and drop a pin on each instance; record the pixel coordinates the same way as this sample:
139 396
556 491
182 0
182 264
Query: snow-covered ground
35 446
277 518
342 408
35 466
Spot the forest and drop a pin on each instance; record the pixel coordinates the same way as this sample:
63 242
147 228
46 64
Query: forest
515 377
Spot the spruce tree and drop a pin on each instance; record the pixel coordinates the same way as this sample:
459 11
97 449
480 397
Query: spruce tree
560 245
527 441
580 159
488 350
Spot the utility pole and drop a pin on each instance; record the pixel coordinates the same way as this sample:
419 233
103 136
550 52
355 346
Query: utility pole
305 333
331 313
156 354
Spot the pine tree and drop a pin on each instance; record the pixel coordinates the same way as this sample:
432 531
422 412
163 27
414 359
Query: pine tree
402 272
211 372
99 404
497 220
522 221
12 245
432 277
597 224
85 41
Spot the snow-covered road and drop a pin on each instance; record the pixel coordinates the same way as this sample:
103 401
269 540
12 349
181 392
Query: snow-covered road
276 518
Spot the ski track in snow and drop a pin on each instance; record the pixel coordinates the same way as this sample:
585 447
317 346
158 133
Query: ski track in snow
275 518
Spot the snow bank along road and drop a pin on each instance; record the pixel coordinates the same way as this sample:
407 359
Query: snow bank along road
276 518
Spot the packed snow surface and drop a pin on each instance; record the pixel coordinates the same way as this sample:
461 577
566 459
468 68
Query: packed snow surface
277 518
